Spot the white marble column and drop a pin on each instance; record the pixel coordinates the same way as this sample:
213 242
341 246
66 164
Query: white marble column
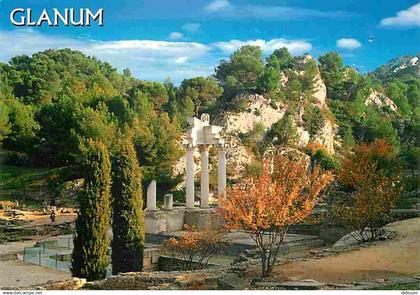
151 196
204 176
190 178
221 173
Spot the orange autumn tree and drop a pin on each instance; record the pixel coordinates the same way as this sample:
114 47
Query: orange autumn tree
195 248
267 205
370 175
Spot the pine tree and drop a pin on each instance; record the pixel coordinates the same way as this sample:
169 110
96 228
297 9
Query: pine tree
127 225
91 240
348 138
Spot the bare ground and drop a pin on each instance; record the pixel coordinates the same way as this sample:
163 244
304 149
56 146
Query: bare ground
398 257
18 274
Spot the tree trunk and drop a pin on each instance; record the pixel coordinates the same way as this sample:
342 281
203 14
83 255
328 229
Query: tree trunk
263 267
265 263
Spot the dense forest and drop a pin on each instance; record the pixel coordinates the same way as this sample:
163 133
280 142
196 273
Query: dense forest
53 101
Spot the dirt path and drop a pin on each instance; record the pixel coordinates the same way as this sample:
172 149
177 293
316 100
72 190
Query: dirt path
45 219
35 218
18 274
388 259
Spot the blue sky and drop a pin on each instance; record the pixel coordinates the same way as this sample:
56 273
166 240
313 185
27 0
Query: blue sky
157 39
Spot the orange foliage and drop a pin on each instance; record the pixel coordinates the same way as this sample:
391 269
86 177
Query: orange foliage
266 206
195 248
8 204
371 174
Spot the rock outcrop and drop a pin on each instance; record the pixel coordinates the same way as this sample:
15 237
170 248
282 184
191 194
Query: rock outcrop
260 110
380 100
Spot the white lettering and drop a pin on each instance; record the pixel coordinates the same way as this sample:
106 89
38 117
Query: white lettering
72 20
67 16
99 14
29 18
58 15
44 18
22 18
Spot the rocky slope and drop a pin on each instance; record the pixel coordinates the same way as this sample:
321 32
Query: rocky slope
263 111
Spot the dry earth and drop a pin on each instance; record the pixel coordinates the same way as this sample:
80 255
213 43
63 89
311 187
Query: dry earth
398 257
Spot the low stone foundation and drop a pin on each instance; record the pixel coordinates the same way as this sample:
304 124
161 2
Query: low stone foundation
151 258
71 284
204 219
164 221
159 281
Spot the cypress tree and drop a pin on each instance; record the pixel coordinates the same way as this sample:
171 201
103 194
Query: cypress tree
91 240
127 204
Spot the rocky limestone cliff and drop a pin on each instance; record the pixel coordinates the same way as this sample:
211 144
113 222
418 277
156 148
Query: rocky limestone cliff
380 100
261 110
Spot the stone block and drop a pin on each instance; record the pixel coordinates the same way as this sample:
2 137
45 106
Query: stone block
204 219
163 221
174 219
155 222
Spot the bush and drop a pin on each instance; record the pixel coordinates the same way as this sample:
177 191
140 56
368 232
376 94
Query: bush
319 155
313 118
254 169
371 178
283 132
195 248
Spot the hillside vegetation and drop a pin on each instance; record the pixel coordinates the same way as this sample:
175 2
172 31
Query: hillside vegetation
53 101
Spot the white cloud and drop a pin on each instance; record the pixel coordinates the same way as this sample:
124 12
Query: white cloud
218 5
222 8
295 47
152 60
348 43
175 36
147 59
191 27
404 18
181 60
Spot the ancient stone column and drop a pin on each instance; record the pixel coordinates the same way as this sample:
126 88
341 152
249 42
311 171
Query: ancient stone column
221 173
151 196
204 176
190 178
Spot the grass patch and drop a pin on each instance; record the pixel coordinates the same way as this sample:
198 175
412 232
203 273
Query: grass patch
25 184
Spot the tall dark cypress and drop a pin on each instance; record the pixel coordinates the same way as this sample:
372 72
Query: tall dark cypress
127 216
91 240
